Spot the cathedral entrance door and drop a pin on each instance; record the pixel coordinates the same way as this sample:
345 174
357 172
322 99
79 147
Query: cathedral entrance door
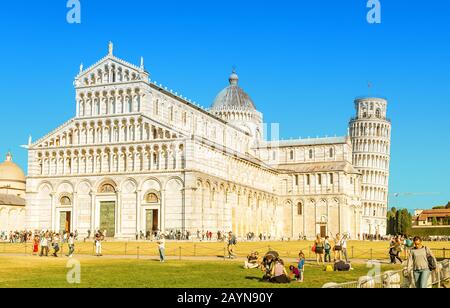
323 231
108 218
64 222
151 220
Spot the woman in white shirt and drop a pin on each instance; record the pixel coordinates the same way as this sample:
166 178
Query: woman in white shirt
161 247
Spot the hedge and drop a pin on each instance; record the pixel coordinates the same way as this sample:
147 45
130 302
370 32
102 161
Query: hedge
429 231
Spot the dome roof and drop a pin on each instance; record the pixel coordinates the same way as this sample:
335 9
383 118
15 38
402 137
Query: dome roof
9 171
233 97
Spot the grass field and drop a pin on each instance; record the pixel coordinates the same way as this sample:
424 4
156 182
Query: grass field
35 272
356 249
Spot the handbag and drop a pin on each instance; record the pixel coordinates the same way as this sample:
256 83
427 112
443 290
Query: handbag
313 249
431 260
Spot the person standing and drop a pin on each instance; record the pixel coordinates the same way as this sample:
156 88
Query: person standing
327 249
337 247
98 245
319 249
162 249
344 247
35 245
44 245
421 262
301 265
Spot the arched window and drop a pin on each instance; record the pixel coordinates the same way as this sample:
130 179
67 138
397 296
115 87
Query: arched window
300 209
291 155
311 154
107 189
319 179
151 198
331 152
378 113
65 201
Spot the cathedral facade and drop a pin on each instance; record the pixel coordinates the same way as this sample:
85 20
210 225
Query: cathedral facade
138 157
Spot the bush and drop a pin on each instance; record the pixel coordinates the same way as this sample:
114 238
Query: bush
429 232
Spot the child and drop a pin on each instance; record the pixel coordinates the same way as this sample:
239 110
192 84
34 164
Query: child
301 266
295 273
36 242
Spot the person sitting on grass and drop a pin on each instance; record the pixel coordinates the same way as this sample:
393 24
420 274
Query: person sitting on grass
253 261
279 273
268 264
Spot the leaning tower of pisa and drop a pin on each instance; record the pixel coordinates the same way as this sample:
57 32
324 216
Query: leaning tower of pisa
370 132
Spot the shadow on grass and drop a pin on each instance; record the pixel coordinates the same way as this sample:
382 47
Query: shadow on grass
254 278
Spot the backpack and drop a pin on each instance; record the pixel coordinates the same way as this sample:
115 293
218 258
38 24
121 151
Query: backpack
409 243
327 246
233 240
341 266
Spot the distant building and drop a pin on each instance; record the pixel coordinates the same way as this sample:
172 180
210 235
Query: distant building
424 218
12 196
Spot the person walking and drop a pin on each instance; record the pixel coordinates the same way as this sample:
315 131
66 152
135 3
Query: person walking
394 251
56 242
231 244
421 262
71 243
162 248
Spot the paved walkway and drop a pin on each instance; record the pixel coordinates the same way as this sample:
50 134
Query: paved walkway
175 258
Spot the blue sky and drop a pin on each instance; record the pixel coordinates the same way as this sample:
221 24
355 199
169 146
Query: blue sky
303 62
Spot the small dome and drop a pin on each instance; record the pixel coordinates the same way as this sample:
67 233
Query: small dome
9 171
233 97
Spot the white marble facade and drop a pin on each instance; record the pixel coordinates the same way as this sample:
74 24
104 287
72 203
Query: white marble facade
138 157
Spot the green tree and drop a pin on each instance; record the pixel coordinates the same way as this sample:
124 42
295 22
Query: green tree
434 221
406 222
447 206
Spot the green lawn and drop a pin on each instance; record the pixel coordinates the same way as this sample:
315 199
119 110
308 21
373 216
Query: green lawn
35 272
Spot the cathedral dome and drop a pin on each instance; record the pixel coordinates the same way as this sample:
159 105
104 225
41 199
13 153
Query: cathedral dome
10 172
233 97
